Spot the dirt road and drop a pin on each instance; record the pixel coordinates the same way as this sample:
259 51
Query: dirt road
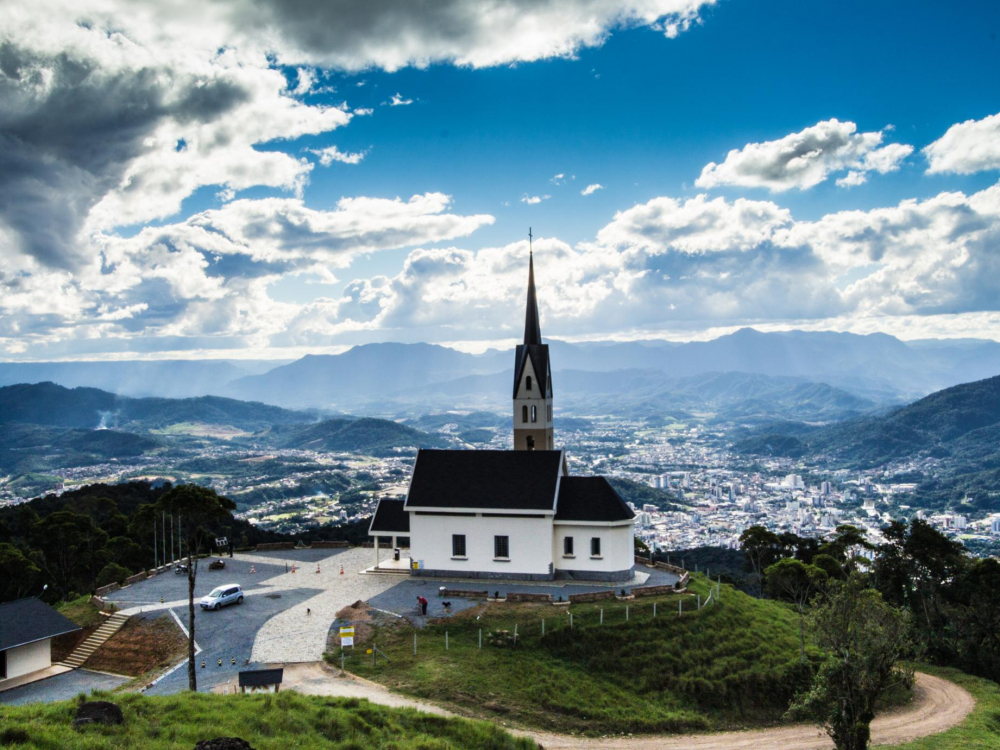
937 705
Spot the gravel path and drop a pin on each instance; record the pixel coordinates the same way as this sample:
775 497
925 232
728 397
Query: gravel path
937 706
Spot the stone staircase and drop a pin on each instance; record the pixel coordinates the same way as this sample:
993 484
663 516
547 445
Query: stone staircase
86 649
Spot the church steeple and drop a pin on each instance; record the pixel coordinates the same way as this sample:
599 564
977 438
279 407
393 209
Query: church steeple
532 377
532 328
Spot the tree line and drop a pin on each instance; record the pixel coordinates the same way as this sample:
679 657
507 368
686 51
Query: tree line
869 607
60 547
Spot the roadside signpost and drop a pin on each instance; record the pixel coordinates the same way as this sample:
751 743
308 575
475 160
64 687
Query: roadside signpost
347 636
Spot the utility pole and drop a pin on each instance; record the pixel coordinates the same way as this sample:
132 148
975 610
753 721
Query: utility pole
156 556
163 518
172 536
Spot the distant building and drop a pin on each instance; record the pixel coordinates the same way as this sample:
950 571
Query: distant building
27 627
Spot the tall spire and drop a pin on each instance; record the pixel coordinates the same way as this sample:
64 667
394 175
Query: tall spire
532 327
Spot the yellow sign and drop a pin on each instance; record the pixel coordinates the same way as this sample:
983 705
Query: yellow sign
368 651
347 636
347 630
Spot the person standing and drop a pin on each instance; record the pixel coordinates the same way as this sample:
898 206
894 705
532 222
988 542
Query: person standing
423 605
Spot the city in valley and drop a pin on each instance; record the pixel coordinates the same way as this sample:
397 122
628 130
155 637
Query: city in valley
685 483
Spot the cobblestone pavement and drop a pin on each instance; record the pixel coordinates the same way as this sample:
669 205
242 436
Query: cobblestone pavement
295 636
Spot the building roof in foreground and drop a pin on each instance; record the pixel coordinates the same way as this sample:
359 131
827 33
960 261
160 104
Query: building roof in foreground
485 480
590 499
260 677
390 518
28 620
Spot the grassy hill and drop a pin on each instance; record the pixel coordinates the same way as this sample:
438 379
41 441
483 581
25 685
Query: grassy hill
732 664
29 448
87 408
367 435
267 722
960 425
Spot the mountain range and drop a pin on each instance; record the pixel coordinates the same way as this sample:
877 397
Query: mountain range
960 425
875 367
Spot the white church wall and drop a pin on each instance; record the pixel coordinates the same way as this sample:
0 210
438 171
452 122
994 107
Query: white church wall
617 550
530 542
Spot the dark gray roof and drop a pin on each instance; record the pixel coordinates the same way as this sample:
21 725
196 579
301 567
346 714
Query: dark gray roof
487 480
258 677
532 325
29 620
390 518
590 499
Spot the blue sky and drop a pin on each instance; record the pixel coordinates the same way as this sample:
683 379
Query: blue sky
140 266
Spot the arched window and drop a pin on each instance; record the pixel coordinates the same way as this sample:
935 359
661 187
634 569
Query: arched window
530 442
524 413
534 413
527 383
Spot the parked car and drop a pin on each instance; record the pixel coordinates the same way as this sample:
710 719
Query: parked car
217 565
229 594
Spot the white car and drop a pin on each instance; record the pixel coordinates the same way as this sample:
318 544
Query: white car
228 594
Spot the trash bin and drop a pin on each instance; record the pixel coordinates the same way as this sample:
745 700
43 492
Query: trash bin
395 554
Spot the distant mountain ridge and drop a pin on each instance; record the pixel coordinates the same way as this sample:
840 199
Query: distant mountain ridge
877 367
956 421
92 408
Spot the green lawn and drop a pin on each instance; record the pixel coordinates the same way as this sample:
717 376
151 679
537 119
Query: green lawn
81 611
275 722
980 730
734 664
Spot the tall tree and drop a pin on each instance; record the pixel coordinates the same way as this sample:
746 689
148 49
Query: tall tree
198 509
18 575
69 549
794 580
865 640
761 548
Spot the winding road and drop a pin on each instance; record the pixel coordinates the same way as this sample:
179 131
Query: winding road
937 705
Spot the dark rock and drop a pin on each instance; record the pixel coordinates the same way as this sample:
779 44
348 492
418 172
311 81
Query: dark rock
98 712
223 743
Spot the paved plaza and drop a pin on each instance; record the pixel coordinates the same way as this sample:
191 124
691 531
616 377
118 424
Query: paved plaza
287 616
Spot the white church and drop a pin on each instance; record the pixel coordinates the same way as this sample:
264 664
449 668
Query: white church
518 514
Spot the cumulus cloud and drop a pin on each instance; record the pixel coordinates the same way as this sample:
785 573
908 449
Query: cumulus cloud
330 154
400 33
966 147
805 159
591 189
398 101
532 200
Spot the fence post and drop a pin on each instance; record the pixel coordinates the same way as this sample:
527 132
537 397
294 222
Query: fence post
699 601
654 610
543 626
680 607
446 640
570 620
341 660
515 633
480 637
602 615
414 644
626 613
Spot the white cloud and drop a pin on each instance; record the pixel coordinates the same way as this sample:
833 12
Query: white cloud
805 159
591 189
398 101
559 179
532 200
330 154
966 147
362 111
306 80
